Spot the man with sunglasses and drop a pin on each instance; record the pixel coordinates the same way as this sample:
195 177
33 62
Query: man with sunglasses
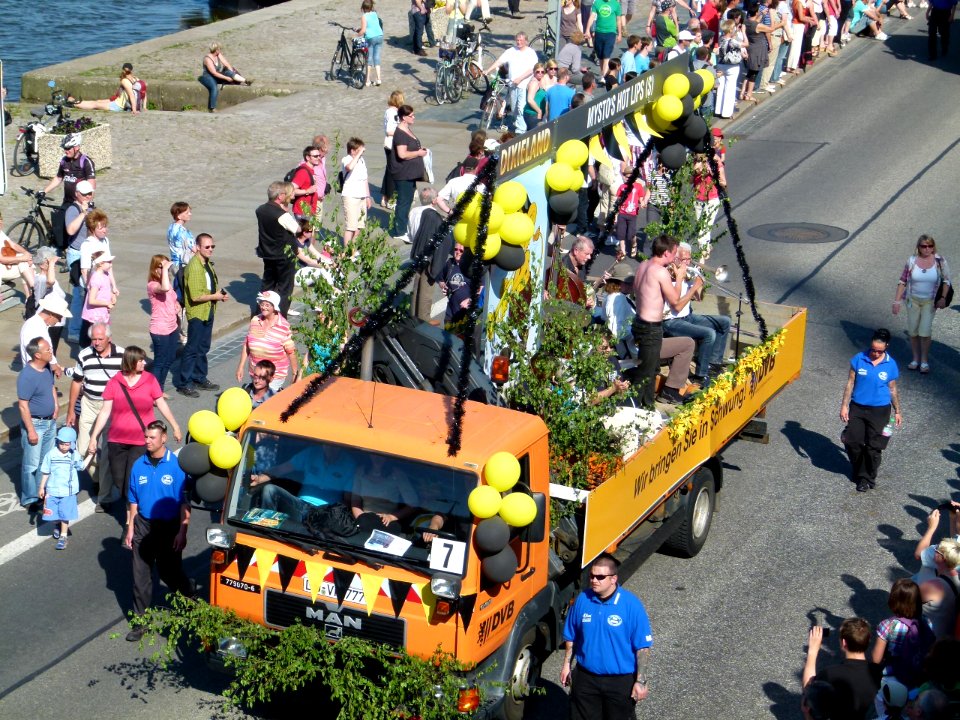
305 185
608 632
259 385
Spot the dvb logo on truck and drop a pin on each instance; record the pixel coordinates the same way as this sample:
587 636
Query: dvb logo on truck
488 626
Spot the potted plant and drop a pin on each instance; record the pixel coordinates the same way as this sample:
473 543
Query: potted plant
96 144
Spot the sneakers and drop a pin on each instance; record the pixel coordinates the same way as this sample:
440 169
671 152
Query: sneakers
671 396
771 88
405 238
136 635
188 390
62 543
56 533
206 385
881 36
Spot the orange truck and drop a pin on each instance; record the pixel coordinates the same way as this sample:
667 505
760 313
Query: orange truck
420 582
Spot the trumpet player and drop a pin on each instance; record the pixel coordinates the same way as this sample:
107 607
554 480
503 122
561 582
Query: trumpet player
710 332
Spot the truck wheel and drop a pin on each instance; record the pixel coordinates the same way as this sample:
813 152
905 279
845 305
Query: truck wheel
689 537
526 675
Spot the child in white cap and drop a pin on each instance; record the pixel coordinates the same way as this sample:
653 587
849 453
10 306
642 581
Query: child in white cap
60 484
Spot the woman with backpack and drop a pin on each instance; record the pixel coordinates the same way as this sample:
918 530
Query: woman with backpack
131 96
903 640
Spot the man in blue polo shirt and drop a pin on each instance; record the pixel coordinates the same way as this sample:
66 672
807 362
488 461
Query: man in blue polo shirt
608 632
870 394
157 520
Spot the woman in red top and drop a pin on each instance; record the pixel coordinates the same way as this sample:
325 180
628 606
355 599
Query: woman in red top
128 402
706 200
269 338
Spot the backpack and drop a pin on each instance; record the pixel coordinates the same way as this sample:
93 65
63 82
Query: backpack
341 179
907 665
178 286
293 173
140 93
331 522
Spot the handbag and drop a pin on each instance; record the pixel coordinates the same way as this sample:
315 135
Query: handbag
947 296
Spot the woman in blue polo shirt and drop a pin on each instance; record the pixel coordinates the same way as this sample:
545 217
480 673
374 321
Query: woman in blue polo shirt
870 393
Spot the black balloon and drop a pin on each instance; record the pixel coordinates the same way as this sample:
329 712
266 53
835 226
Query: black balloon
688 108
700 146
696 84
564 202
194 459
694 129
491 535
510 257
500 568
674 156
212 487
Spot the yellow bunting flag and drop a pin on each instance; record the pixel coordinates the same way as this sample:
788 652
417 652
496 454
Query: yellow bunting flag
428 599
599 154
265 560
371 588
316 574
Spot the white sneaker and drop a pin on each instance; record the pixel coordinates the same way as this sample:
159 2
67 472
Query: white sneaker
924 4
771 89
403 238
293 313
846 38
881 36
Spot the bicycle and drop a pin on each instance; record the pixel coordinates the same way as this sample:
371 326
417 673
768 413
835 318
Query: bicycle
449 83
474 56
494 103
546 36
349 58
26 156
35 229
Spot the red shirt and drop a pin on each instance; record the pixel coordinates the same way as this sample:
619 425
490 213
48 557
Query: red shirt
124 427
710 17
303 179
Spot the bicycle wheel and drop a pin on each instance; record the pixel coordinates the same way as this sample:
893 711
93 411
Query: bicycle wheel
473 70
358 70
489 111
23 164
337 65
455 84
440 84
27 233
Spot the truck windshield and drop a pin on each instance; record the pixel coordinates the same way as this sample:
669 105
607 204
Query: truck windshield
341 498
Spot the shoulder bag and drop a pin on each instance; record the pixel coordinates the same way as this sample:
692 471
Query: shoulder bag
946 296
123 386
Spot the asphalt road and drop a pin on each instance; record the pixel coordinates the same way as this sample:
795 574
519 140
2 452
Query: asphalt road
865 145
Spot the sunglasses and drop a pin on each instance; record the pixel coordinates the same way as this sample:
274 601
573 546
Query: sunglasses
207 247
925 246
262 377
313 156
595 576
874 351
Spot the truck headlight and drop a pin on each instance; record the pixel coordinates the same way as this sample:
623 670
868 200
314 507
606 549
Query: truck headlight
221 536
231 646
445 586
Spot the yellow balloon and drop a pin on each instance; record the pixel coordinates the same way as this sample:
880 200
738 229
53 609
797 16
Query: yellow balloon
462 232
560 176
511 196
518 509
484 501
696 102
676 85
496 218
205 426
573 153
502 471
517 229
491 247
472 211
576 180
709 80
668 108
233 407
225 452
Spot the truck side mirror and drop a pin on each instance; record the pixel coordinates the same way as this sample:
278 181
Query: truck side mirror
536 531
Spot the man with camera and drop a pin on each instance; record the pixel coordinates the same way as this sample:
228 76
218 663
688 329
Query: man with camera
855 681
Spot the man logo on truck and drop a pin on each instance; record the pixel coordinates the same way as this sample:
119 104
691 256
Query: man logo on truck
333 624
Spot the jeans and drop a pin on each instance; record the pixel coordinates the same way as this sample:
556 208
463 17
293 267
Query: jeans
517 98
274 497
405 190
164 353
649 338
77 298
375 46
778 62
32 456
417 24
709 331
213 86
193 362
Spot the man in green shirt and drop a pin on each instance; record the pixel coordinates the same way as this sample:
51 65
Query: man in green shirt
201 293
606 23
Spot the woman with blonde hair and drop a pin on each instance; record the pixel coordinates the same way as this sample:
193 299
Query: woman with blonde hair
390 123
924 284
218 71
164 317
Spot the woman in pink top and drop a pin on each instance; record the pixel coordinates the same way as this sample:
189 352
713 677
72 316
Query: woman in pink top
164 317
100 296
269 338
706 200
128 402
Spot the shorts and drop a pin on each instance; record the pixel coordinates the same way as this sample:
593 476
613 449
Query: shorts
860 25
12 272
629 7
355 213
603 44
60 508
919 317
115 106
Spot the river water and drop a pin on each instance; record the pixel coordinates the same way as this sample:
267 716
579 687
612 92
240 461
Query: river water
37 33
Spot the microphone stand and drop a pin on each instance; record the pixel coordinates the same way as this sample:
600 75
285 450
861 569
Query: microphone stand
739 297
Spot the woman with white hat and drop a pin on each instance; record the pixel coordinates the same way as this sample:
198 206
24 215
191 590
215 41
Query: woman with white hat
269 338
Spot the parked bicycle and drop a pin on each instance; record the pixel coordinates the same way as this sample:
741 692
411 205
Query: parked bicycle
36 228
349 59
449 83
494 106
26 155
546 38
475 57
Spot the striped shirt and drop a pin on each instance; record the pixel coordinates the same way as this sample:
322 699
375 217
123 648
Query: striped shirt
95 371
270 343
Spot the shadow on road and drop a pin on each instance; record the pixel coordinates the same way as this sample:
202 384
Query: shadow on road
822 452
